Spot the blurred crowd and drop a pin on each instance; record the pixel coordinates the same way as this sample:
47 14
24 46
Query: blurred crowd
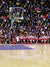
35 28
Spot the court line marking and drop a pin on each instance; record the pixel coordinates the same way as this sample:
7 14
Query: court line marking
22 57
25 55
14 57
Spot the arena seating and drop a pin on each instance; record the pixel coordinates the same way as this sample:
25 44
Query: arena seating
35 28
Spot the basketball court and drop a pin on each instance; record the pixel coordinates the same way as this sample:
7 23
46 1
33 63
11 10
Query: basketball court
39 56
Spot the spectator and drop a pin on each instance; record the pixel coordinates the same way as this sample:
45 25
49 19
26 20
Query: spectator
36 21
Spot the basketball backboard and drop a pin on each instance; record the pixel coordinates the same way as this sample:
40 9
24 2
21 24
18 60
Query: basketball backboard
16 13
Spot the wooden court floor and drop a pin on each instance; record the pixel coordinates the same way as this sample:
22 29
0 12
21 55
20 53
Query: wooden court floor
40 57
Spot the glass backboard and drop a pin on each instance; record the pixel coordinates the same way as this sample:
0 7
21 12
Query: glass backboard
16 13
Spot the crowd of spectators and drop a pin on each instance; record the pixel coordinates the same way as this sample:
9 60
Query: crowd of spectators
35 27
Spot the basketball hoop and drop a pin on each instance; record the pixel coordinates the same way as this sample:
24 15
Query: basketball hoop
16 17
